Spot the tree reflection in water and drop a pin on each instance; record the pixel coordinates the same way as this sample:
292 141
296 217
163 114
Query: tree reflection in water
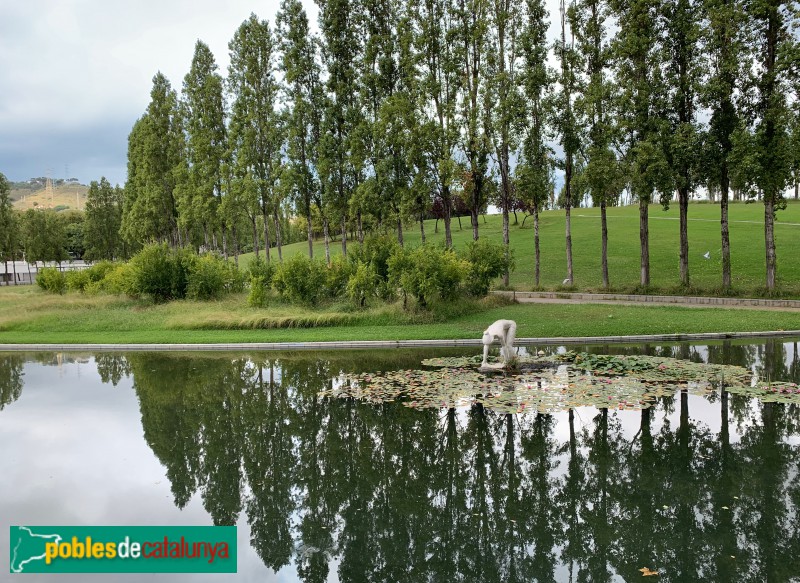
383 492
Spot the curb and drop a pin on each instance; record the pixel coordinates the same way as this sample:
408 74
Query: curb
388 344
524 296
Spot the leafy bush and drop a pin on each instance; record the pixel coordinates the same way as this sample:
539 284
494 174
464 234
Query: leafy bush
99 270
77 280
300 279
119 280
52 280
206 278
259 292
487 261
427 272
337 276
375 252
362 284
158 273
260 268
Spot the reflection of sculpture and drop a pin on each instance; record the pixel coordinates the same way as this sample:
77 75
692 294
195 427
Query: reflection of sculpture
503 331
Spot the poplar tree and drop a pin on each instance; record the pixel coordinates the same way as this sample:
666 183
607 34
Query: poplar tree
438 94
339 51
302 114
723 42
683 64
203 110
566 122
601 175
534 174
504 70
9 226
472 22
640 104
103 218
774 53
256 126
155 147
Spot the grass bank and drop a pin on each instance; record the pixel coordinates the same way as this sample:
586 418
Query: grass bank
746 234
28 315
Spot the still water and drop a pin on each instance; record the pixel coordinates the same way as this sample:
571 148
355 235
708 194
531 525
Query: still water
698 488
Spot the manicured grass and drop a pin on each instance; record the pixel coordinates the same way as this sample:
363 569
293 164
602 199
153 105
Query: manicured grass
28 315
747 248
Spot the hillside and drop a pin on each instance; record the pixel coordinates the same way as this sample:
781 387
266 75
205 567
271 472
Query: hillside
67 195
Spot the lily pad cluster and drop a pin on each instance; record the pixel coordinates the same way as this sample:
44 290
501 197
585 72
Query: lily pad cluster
548 384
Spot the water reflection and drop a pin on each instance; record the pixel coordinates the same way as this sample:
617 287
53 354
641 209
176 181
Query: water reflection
382 492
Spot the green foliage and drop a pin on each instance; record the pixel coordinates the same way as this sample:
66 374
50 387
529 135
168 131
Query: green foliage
362 284
337 277
262 269
121 279
487 261
206 278
77 280
103 218
427 272
300 280
52 280
159 273
99 270
9 225
259 292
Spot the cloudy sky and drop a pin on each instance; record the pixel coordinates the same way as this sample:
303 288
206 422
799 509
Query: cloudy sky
76 74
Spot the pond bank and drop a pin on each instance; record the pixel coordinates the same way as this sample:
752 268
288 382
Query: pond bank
386 344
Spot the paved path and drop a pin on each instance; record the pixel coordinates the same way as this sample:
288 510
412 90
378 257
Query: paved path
635 299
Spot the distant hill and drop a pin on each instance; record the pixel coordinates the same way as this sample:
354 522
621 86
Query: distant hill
72 196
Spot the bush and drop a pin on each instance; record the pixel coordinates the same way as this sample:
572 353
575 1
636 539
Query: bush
51 280
156 273
300 280
362 284
99 270
260 268
259 292
119 280
206 278
487 261
337 276
427 272
77 280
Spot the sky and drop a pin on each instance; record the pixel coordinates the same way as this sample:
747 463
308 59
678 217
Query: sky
76 74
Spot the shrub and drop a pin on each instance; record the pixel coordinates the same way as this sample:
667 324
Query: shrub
427 272
52 280
259 292
260 268
300 279
77 279
362 284
206 278
337 276
156 273
119 280
99 270
487 261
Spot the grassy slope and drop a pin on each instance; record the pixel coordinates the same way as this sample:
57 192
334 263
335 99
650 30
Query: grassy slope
747 247
64 195
28 315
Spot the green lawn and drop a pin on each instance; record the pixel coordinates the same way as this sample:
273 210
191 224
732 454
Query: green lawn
28 315
747 247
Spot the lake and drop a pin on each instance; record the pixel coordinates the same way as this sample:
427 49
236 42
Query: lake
325 486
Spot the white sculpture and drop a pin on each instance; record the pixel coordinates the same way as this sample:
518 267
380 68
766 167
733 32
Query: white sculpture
503 331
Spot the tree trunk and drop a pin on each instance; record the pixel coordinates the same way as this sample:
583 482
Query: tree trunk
224 243
14 263
683 207
344 236
235 234
400 232
537 268
5 272
644 242
568 228
447 202
473 215
278 236
360 224
327 238
266 236
769 239
506 241
422 227
604 243
310 234
255 236
723 224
